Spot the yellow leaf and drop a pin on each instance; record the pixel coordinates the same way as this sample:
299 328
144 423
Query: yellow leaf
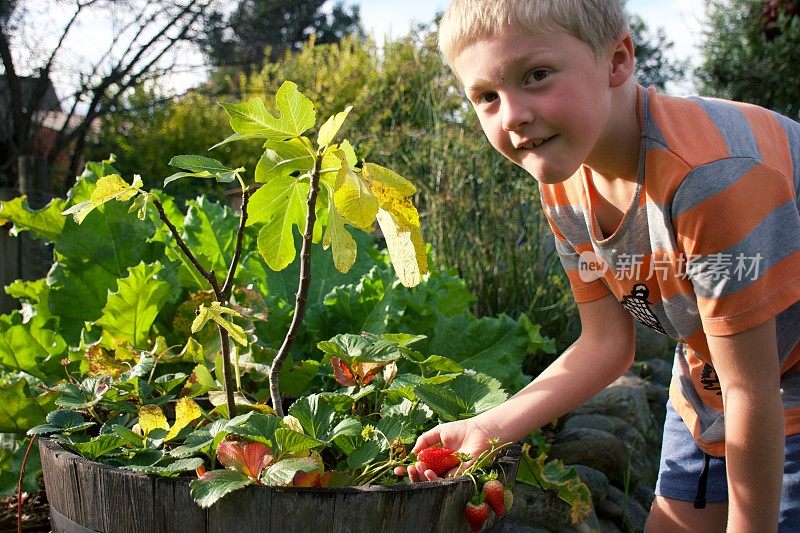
111 187
388 179
406 248
343 247
151 417
214 313
354 201
186 410
331 127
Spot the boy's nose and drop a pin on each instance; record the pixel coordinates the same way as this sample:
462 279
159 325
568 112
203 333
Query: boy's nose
516 115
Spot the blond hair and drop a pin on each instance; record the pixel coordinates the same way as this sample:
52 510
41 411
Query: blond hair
595 22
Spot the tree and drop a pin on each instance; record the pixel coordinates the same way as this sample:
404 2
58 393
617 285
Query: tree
142 33
751 51
260 30
652 65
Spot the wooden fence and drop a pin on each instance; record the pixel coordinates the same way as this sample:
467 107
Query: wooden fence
22 257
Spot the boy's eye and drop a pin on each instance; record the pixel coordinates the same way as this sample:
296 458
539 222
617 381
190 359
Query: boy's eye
487 98
537 75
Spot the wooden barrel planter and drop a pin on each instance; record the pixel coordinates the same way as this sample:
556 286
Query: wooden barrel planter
90 497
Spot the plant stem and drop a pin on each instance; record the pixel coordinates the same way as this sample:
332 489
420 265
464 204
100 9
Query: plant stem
19 483
221 295
302 288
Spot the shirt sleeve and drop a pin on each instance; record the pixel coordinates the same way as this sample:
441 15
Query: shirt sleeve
586 284
737 229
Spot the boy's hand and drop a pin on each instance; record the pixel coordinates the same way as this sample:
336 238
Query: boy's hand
465 436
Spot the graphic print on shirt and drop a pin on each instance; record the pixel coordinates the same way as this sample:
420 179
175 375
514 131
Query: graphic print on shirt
637 305
709 379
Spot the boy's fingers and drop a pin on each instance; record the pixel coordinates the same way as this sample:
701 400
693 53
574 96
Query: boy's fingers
426 440
400 471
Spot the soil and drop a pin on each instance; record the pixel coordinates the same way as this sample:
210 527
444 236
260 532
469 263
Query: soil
35 513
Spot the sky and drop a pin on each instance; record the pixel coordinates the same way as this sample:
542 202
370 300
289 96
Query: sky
681 20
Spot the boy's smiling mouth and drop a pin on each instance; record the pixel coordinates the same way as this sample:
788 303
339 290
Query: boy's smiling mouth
533 143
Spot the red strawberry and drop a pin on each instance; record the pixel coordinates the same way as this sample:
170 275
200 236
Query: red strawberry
493 492
476 514
438 459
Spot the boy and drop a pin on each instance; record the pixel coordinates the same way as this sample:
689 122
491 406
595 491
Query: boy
680 212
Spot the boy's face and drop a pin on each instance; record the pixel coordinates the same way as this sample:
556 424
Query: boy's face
543 100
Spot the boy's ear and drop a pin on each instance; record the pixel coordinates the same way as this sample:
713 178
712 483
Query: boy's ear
623 61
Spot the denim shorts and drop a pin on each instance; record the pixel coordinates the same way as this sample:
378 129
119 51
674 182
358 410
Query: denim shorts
682 463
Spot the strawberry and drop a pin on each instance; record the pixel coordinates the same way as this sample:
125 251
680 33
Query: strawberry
508 499
476 514
493 492
438 459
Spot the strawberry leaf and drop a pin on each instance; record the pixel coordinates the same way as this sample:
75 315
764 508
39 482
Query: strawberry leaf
216 484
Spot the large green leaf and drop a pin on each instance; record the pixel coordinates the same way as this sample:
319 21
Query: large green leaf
316 416
61 421
290 441
254 426
216 484
283 472
286 210
21 409
210 232
282 158
252 118
464 396
28 347
199 166
91 257
46 223
129 313
493 345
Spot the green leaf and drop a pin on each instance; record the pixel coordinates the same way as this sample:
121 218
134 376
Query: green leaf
282 472
286 209
62 421
281 158
29 347
360 348
316 416
363 454
98 446
171 470
210 232
332 126
45 224
216 484
129 312
201 382
252 118
255 426
290 441
21 409
465 396
201 167
198 441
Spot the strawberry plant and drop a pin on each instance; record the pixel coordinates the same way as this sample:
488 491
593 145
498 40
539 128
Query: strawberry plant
184 339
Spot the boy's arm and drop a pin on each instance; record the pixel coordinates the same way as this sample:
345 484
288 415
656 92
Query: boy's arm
749 374
604 351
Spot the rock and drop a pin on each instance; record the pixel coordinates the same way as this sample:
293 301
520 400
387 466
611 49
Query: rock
536 507
607 526
595 480
624 510
626 398
594 448
650 344
512 525
644 494
642 461
590 525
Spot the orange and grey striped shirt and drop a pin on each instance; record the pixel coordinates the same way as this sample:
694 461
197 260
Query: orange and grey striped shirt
709 246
